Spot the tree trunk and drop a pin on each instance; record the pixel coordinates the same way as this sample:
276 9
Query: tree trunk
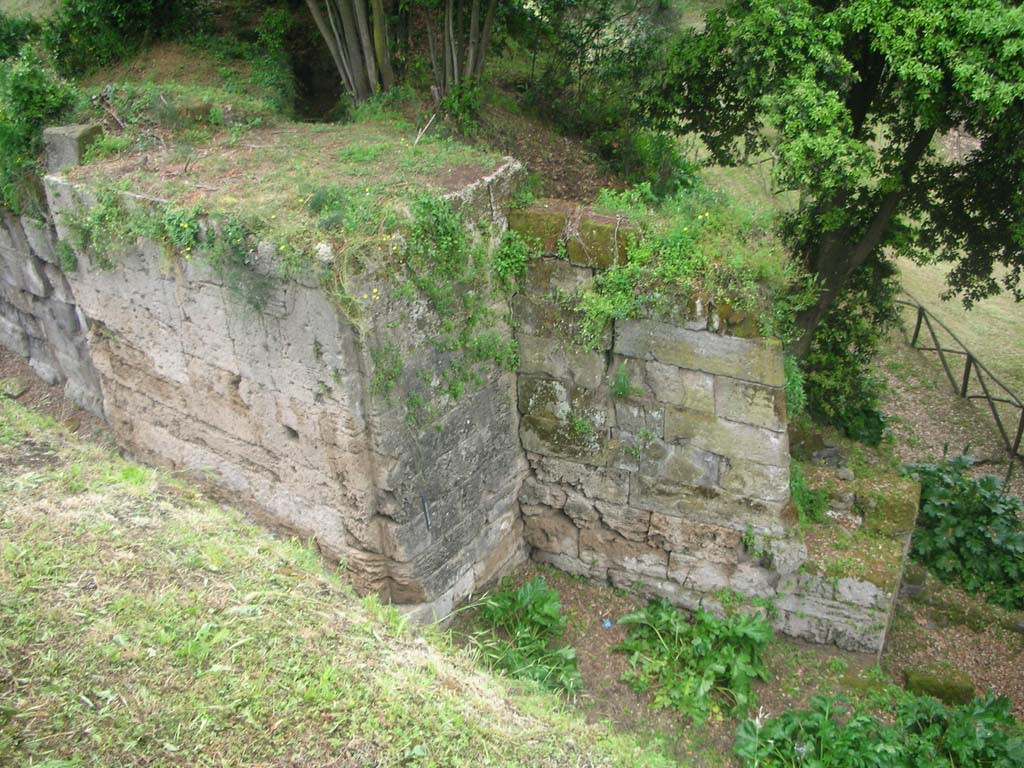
485 40
333 44
836 259
369 56
360 75
380 44
451 62
469 66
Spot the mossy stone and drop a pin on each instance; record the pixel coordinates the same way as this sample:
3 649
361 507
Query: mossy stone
544 222
892 504
943 682
600 241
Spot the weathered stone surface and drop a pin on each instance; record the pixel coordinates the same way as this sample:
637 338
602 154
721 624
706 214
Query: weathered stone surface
786 555
607 485
549 276
544 221
754 360
859 592
580 510
553 533
727 438
681 465
12 335
748 403
542 357
548 319
40 239
604 549
753 581
66 144
758 481
536 493
693 390
703 504
699 541
699 575
640 419
631 524
599 241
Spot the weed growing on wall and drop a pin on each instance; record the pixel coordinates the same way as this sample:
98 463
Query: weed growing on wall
523 628
695 666
970 532
697 245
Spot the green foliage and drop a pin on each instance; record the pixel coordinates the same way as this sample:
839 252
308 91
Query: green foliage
698 245
67 256
970 532
511 259
31 97
842 386
85 34
811 506
647 157
694 666
621 385
524 626
462 107
925 734
796 397
387 368
14 32
847 97
453 273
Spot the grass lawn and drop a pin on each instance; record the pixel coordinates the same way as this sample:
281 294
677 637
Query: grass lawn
36 8
142 625
993 329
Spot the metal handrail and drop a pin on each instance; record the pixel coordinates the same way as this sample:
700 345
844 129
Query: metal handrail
984 377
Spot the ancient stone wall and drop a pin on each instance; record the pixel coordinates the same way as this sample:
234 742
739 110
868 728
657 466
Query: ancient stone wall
657 460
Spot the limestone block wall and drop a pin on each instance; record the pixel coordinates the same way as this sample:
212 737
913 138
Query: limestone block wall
659 460
278 405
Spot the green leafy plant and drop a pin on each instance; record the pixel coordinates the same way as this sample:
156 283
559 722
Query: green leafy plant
811 506
694 666
387 368
524 626
796 397
31 97
969 531
831 734
510 260
14 31
622 386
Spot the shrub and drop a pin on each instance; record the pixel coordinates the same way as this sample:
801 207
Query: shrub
969 532
829 734
85 34
14 32
811 506
689 665
796 397
31 96
842 387
524 626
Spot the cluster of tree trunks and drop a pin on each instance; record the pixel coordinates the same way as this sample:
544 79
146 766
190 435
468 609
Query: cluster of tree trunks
458 35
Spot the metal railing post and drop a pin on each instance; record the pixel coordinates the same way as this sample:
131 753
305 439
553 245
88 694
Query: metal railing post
917 328
967 375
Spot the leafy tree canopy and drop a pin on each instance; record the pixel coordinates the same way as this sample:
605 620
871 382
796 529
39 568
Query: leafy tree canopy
855 100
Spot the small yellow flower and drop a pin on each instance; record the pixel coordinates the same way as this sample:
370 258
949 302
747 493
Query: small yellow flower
366 295
375 290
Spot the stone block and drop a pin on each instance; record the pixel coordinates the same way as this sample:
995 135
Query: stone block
945 683
40 239
536 493
580 510
703 504
567 564
699 541
785 555
61 288
756 481
549 276
547 357
752 581
681 465
599 241
698 574
66 144
693 390
605 549
563 439
548 319
544 222
13 336
596 483
631 524
637 418
553 533
754 360
858 592
748 403
727 438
